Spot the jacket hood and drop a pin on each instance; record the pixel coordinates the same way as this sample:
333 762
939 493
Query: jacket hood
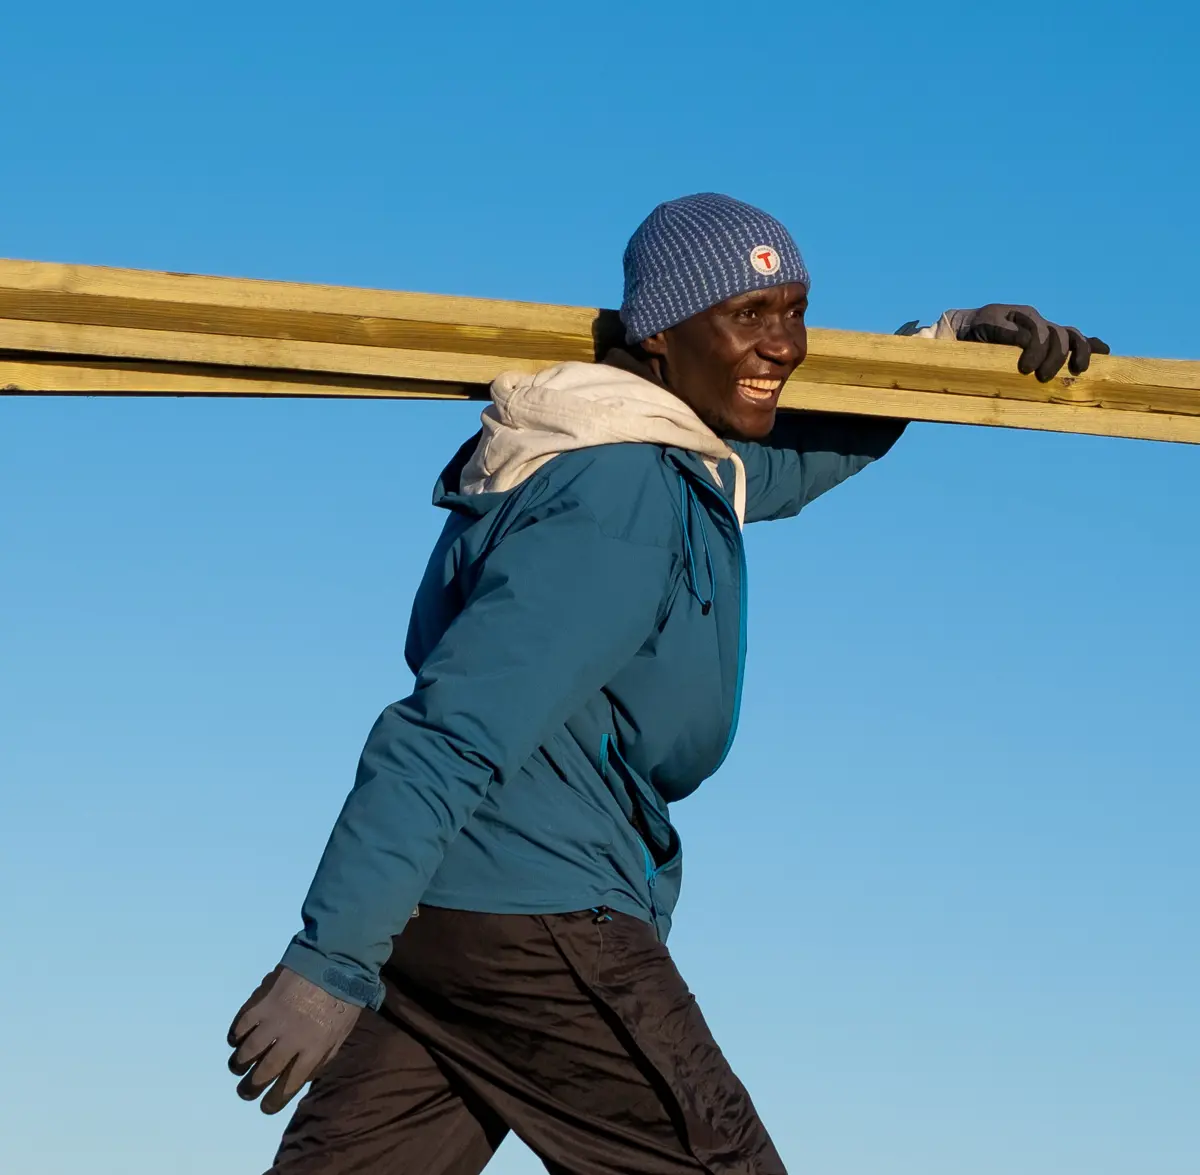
534 418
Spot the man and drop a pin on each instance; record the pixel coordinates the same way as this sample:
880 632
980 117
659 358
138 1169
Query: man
484 941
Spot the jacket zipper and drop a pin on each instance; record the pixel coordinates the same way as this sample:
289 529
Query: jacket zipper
606 739
743 578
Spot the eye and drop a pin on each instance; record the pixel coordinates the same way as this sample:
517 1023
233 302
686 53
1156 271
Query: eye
746 314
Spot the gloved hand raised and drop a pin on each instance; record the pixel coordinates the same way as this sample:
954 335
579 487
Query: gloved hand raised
1044 344
283 1034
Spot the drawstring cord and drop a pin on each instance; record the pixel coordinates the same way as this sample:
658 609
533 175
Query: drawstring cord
688 502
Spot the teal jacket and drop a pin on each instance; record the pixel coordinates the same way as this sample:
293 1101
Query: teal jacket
578 644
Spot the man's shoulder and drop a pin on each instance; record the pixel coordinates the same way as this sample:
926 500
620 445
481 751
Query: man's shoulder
625 488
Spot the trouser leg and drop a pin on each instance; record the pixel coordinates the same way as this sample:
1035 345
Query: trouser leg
384 1106
582 1037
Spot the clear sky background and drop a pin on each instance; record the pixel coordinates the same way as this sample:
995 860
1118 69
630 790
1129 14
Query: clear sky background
941 904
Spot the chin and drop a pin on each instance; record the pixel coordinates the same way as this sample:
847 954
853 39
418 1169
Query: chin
755 429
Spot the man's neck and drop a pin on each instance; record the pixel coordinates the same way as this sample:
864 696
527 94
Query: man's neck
632 358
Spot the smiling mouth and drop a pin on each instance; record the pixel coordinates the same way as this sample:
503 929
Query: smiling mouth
760 391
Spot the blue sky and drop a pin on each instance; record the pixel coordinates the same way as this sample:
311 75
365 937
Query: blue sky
941 900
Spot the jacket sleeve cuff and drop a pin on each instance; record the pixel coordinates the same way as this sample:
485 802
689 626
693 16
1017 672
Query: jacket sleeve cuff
344 981
946 327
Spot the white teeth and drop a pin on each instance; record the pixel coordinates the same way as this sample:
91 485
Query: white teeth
759 389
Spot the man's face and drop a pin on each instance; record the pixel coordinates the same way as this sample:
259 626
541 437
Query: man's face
730 362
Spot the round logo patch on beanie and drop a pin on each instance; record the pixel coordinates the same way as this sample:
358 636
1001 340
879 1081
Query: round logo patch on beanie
764 259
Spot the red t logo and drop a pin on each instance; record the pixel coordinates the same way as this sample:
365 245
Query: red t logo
765 258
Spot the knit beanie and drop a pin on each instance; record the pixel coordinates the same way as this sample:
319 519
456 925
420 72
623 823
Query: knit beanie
689 254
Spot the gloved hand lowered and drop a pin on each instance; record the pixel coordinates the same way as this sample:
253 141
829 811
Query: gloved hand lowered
1044 345
284 1033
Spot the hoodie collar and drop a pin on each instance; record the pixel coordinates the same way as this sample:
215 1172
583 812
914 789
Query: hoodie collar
534 418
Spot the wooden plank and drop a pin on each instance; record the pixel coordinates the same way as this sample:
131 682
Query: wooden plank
948 408
839 358
67 376
236 351
294 325
91 377
61 326
886 361
255 295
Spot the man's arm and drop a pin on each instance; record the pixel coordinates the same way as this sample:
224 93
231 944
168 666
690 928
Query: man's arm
811 452
1045 345
808 453
558 608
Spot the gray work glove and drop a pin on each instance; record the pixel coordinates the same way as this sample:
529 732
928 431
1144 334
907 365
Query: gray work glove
1044 345
283 1034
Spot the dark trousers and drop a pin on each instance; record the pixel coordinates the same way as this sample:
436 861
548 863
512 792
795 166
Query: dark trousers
574 1031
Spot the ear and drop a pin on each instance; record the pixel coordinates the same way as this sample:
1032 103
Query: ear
656 344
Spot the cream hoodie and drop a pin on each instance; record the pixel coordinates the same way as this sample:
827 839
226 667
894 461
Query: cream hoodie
533 418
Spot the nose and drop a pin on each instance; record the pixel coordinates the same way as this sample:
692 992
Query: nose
784 343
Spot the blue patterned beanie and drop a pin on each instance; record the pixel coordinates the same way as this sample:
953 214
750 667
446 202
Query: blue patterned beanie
689 254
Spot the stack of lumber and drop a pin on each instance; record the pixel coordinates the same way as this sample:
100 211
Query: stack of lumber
82 330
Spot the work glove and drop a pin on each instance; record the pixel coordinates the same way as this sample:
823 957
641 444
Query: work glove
1044 345
283 1034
